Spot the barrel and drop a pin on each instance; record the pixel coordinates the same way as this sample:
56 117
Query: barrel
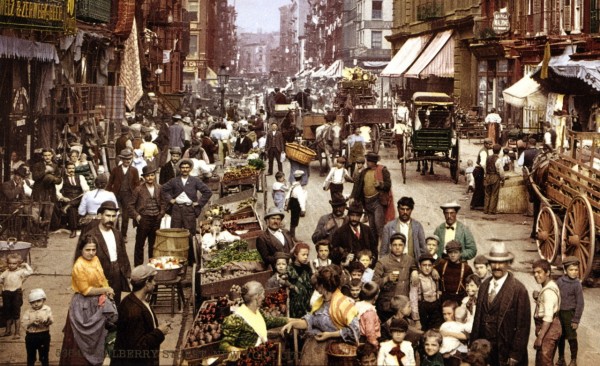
174 242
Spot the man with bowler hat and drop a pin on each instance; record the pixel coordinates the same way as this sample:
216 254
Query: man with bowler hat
373 190
243 143
503 315
330 222
274 238
452 229
171 169
352 237
123 180
147 208
111 249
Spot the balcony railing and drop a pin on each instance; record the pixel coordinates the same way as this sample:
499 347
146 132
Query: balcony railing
430 10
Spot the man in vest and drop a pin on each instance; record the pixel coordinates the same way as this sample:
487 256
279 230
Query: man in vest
405 224
547 322
123 180
494 178
70 191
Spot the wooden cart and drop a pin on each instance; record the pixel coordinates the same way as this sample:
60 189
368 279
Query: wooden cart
568 188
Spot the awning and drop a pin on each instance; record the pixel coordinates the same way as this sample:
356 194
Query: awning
319 72
407 54
584 71
334 70
525 92
12 47
211 77
437 59
375 64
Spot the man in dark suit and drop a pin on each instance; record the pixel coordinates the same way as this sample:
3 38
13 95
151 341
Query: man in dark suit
147 208
182 193
352 237
452 229
170 170
274 239
138 334
111 249
123 180
12 190
274 147
243 143
123 142
503 314
46 175
330 222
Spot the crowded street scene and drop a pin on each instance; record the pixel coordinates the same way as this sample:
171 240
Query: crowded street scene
297 182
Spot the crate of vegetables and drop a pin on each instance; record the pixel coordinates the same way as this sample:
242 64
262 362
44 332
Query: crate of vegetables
205 333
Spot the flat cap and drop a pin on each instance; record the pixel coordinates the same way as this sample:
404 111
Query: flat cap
142 272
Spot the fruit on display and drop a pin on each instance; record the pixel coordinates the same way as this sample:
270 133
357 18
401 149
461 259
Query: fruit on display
267 354
166 262
237 173
275 303
237 251
247 202
210 277
216 211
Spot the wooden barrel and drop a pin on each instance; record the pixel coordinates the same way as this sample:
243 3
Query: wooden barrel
174 242
513 196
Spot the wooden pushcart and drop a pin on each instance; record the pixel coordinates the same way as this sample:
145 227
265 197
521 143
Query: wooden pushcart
569 192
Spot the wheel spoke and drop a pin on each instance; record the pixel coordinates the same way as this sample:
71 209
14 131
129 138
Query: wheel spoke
585 252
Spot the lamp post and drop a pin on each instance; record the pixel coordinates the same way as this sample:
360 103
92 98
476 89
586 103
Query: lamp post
223 78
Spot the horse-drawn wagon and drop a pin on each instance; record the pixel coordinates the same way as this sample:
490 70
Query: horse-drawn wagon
568 188
431 135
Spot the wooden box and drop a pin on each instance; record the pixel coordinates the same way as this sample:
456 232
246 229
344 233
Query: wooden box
221 288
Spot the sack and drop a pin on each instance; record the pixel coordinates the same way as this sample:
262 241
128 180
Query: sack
282 157
326 185
165 222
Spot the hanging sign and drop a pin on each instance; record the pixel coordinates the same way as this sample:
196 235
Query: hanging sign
49 15
501 22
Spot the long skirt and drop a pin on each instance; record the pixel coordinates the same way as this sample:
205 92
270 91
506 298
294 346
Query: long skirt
478 199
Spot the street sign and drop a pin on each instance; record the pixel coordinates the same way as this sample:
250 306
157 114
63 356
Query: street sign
501 22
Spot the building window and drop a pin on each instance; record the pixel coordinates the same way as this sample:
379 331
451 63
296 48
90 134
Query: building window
376 38
193 10
492 80
377 6
193 45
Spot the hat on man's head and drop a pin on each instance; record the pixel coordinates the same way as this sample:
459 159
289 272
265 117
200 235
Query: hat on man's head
433 237
570 260
21 171
399 325
126 154
426 257
453 245
142 272
355 207
148 169
107 205
499 253
243 130
274 211
372 157
480 259
186 120
176 117
186 161
124 130
452 204
337 201
298 173
175 150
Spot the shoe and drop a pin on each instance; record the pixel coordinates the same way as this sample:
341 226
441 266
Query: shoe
573 363
73 234
560 362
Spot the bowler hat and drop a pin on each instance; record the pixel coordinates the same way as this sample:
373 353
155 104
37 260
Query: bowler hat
337 201
499 253
126 154
570 260
355 207
453 245
372 157
148 169
107 205
274 211
452 204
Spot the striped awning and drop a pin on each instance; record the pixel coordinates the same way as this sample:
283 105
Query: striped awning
437 59
408 53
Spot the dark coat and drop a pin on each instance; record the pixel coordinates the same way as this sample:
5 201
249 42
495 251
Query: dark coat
358 188
243 145
140 198
267 245
12 192
116 179
44 188
344 242
193 185
513 311
136 332
102 253
167 172
276 141
321 232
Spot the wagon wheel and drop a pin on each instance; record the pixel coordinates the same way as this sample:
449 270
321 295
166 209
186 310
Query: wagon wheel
548 234
375 138
403 162
579 234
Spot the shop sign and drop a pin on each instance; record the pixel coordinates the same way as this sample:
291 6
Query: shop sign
50 15
501 22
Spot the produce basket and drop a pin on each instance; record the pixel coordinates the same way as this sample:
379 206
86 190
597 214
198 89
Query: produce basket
167 267
299 153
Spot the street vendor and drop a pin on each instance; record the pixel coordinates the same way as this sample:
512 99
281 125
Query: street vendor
215 235
247 326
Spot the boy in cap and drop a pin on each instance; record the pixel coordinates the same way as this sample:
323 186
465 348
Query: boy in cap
481 265
396 351
425 295
453 273
37 321
571 309
295 200
123 180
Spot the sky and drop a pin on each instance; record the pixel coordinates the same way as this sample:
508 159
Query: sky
253 15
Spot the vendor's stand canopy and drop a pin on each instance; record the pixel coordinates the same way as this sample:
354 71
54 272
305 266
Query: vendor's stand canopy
407 54
525 92
437 58
319 72
334 70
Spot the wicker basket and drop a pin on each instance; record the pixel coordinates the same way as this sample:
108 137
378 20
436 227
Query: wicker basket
299 153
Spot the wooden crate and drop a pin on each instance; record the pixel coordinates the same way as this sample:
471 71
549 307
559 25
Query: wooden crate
221 288
205 350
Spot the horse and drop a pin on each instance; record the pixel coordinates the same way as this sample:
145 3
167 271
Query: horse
328 144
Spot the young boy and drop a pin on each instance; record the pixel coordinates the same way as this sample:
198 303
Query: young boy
453 330
453 273
352 289
547 324
396 351
432 242
392 275
36 322
571 309
432 342
365 256
322 259
366 354
482 267
335 179
280 277
401 305
469 175
370 326
12 294
424 296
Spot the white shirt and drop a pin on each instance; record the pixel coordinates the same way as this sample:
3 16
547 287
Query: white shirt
299 193
336 175
111 244
279 235
404 227
499 283
385 359
91 201
82 182
493 118
450 234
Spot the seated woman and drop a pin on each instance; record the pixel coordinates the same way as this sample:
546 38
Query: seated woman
91 308
212 238
333 318
247 327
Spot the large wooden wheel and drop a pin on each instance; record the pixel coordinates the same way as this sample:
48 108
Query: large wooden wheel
548 234
579 234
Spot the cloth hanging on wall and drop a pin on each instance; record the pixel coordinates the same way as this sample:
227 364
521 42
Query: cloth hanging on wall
131 76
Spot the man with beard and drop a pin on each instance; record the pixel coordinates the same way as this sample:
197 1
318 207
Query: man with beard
274 239
111 250
330 222
411 228
503 315
452 229
170 170
352 237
